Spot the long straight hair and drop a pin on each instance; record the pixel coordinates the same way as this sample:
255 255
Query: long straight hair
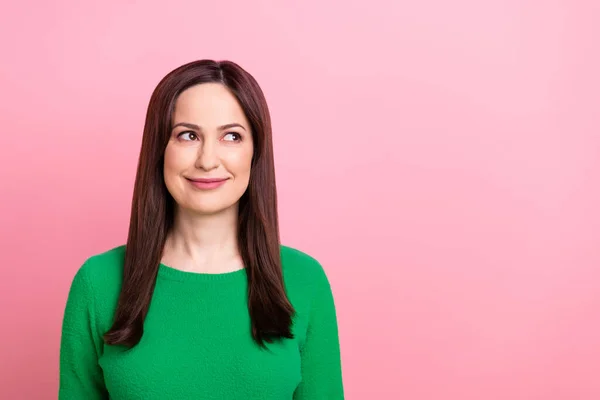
152 210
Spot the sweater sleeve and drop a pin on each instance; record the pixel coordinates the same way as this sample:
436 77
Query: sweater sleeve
320 353
80 375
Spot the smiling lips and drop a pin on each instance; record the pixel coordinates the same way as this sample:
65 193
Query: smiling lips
207 183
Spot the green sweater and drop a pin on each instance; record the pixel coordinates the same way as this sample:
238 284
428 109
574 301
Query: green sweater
197 343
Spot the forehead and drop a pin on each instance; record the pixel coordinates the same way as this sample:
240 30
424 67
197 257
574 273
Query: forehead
208 104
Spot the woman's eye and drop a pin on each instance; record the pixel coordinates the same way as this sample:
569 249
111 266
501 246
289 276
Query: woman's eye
187 135
233 136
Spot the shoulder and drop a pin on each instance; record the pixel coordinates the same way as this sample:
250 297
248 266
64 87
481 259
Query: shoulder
98 280
308 289
105 267
301 269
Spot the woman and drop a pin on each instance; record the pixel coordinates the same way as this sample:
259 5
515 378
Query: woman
203 302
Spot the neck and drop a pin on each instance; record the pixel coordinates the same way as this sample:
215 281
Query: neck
203 243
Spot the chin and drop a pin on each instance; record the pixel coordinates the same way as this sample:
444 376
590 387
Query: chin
209 209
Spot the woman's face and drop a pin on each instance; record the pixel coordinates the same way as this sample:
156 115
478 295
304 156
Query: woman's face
209 154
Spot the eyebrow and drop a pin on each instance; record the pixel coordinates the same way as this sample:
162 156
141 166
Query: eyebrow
197 128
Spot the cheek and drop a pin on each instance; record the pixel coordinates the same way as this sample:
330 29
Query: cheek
175 163
170 158
241 162
177 160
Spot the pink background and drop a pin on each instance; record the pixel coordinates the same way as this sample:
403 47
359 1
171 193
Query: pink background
441 159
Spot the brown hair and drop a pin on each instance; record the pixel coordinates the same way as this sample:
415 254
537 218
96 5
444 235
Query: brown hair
152 210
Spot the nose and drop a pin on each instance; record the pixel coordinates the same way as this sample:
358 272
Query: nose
208 157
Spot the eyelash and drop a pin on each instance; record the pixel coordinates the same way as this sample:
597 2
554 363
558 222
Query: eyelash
228 133
235 133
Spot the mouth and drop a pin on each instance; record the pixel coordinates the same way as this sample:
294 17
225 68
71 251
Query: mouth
207 183
207 180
